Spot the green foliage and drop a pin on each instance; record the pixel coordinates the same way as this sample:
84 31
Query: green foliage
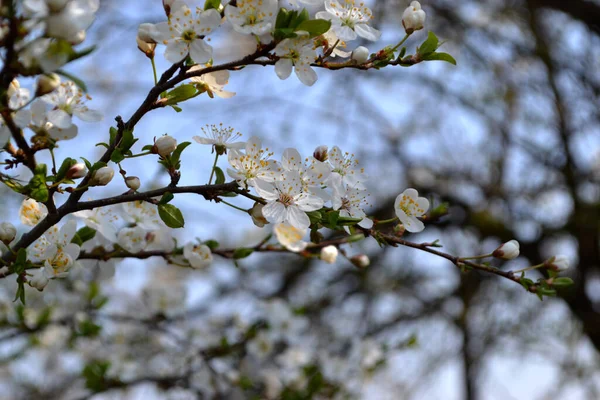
242 252
220 176
94 374
171 215
216 4
167 197
37 188
83 235
290 22
180 94
427 50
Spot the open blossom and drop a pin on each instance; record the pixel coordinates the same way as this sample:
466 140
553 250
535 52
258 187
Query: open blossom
296 54
132 239
344 165
313 173
32 212
68 101
183 34
253 165
220 138
349 20
62 19
409 207
252 16
100 219
291 237
198 255
55 249
287 201
331 38
143 214
349 201
212 82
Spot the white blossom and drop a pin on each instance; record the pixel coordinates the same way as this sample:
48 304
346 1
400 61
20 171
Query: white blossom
213 82
220 138
55 249
142 213
198 255
100 219
68 101
558 263
252 165
360 54
413 17
349 201
296 54
255 17
329 254
63 19
409 207
345 165
32 212
349 20
508 250
132 239
165 145
290 237
183 34
102 176
287 201
7 232
39 278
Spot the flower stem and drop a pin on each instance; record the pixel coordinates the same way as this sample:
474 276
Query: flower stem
212 172
234 206
528 268
154 70
401 42
476 257
53 161
386 221
139 155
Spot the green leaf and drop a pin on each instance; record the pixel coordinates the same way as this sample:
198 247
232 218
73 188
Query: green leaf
81 53
348 221
64 167
167 197
20 294
283 18
216 4
332 219
97 165
429 45
180 93
314 27
86 233
171 215
220 176
440 56
298 18
127 140
242 252
113 134
147 147
314 216
562 282
117 156
13 184
37 187
87 163
20 261
73 78
212 244
177 154
94 374
284 33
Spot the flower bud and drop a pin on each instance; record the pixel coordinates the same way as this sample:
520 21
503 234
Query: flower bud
172 5
76 171
399 229
145 47
38 280
13 87
257 216
320 153
46 83
360 54
164 145
145 39
78 38
329 254
102 176
507 251
360 261
132 182
557 263
7 232
413 17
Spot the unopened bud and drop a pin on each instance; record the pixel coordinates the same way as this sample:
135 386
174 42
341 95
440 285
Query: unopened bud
507 251
360 261
77 171
164 145
46 83
78 38
7 232
329 254
399 229
102 176
13 87
132 182
145 39
557 263
145 47
320 153
360 54
413 17
38 280
257 216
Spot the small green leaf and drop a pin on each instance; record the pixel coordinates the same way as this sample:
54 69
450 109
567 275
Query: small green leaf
147 147
113 134
220 176
37 188
177 154
429 45
180 93
216 4
562 282
314 27
298 18
86 233
441 57
167 197
64 167
314 216
242 252
87 163
212 244
283 18
97 166
117 156
171 215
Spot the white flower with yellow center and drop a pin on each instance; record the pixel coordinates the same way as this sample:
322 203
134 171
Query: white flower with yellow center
349 201
132 239
220 138
212 82
55 249
184 34
143 214
287 201
345 165
198 255
101 220
349 20
32 212
296 54
253 165
409 207
68 101
291 237
252 16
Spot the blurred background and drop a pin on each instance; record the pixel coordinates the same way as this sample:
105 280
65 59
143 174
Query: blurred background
510 138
